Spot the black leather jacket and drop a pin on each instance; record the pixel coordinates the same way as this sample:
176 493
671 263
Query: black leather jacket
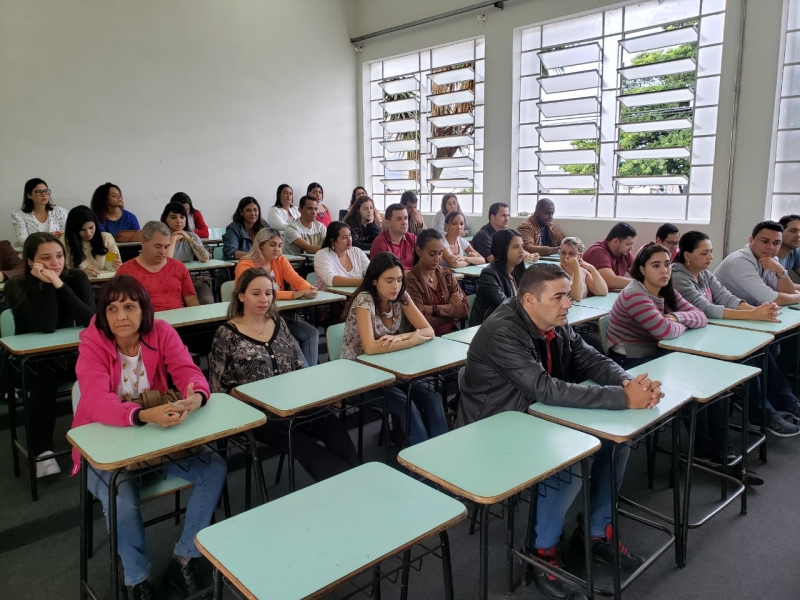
493 289
504 369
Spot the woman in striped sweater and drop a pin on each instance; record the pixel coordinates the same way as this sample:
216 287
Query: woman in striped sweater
649 310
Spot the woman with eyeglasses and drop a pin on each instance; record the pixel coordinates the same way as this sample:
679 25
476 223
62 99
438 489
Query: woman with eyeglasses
267 254
585 278
38 214
107 204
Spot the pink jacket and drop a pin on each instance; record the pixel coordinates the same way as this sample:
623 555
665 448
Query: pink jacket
99 372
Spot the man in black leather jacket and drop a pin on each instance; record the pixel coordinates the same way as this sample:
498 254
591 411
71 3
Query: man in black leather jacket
524 353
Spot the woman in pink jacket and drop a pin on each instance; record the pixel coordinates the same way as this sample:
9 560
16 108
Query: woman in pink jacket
125 350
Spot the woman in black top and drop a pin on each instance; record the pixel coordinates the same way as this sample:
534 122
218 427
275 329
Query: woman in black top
46 297
361 220
499 280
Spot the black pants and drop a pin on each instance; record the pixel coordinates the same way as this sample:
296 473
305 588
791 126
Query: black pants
337 453
42 386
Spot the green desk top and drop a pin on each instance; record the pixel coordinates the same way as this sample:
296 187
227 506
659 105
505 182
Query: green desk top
194 315
102 276
31 343
582 314
473 271
196 265
107 447
410 363
319 385
494 458
704 378
305 544
463 335
603 302
616 425
343 290
321 298
725 343
789 319
552 258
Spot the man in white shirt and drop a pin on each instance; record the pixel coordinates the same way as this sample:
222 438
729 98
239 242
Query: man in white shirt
305 234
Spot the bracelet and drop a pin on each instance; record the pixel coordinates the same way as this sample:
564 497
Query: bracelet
785 274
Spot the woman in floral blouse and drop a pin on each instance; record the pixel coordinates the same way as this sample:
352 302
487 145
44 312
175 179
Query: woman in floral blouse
256 344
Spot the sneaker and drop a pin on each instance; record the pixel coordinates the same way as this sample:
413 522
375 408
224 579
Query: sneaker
777 425
143 590
183 578
711 453
47 467
603 551
549 586
754 478
792 412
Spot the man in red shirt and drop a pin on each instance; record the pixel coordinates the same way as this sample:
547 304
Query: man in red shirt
166 280
613 257
396 239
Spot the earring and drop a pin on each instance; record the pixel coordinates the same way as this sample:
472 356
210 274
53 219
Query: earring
688 262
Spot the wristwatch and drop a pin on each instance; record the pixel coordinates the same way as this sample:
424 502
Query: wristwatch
785 274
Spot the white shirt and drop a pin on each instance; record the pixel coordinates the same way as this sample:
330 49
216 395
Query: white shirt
134 376
327 266
26 223
99 262
278 218
314 235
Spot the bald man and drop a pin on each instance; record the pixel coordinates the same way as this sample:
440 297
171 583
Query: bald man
539 233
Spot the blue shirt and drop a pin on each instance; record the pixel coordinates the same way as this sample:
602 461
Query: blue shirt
792 260
127 222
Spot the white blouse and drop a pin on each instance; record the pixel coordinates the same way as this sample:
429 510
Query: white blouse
278 218
98 262
327 266
134 376
26 223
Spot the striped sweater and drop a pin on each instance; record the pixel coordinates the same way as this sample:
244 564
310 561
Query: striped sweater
637 321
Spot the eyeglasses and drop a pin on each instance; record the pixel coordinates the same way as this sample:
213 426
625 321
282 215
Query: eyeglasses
670 244
42 192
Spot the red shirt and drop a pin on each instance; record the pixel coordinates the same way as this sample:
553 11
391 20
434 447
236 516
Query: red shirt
324 218
599 255
404 250
167 288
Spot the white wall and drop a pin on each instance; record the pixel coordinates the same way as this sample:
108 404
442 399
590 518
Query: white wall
756 105
217 99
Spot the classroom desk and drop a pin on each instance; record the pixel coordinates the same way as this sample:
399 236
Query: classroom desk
413 364
602 302
211 264
728 343
307 543
496 458
320 299
625 427
464 336
343 290
321 385
195 315
108 448
100 278
471 272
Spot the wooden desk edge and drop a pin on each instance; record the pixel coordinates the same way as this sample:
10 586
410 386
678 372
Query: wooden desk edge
145 457
603 434
321 592
499 497
720 356
330 400
312 302
408 377
729 324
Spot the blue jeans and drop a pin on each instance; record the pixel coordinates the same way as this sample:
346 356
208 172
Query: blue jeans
308 337
553 504
427 411
208 481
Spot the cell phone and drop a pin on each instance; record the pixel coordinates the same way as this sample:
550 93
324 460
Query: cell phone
176 405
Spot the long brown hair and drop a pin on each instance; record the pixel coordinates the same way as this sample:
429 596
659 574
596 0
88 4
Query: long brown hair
236 306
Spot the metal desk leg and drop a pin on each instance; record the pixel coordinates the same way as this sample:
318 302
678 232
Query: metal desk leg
258 471
587 529
676 492
512 501
615 524
681 546
762 450
217 584
12 416
112 532
405 574
376 582
84 558
483 583
447 566
28 432
292 484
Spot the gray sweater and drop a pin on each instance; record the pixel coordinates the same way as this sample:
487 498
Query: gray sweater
697 293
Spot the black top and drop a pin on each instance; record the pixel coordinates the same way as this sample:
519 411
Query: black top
482 241
494 287
363 235
39 307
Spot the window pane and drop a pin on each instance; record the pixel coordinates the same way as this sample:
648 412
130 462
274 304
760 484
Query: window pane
703 151
400 65
789 113
453 54
788 146
656 12
700 208
563 32
787 177
671 208
712 30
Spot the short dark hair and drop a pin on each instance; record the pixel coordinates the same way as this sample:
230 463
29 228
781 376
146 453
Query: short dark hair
124 287
305 199
378 265
238 218
667 292
333 231
407 197
495 208
665 230
183 198
313 185
452 215
788 219
99 203
393 208
281 187
353 195
536 276
178 209
27 203
688 243
770 225
620 231
425 236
